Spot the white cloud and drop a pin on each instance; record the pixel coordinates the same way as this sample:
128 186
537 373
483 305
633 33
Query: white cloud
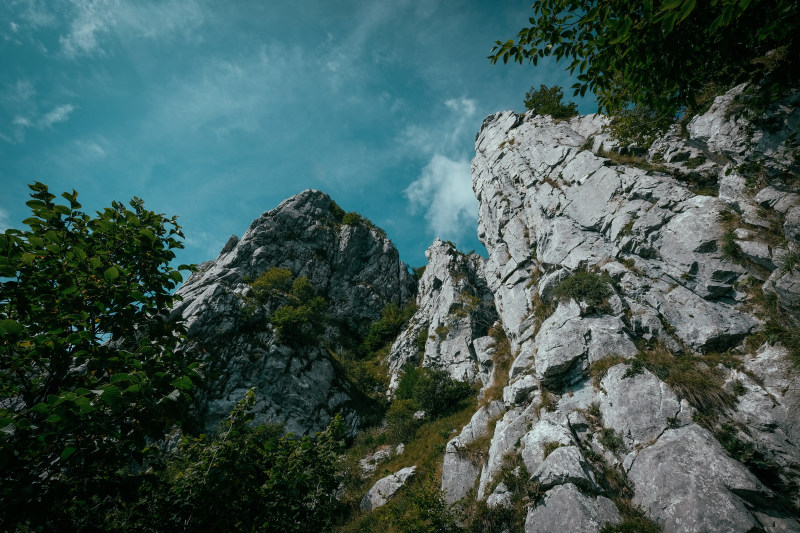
94 20
59 114
444 192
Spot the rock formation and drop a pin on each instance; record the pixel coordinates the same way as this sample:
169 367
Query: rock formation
353 266
454 312
630 293
631 328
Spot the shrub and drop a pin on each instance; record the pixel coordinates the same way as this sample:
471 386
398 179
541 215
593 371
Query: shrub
548 101
246 478
422 509
405 389
386 329
302 318
352 219
400 422
588 287
639 125
437 393
272 282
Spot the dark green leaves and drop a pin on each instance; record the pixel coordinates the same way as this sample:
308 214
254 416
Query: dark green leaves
657 53
79 409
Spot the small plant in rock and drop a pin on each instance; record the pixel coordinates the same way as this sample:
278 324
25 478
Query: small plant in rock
549 447
730 250
588 287
442 331
694 162
612 440
599 369
738 388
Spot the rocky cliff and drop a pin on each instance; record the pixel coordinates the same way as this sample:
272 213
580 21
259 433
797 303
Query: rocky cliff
632 331
649 302
349 263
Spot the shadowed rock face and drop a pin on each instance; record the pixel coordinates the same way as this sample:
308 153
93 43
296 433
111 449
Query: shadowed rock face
551 205
454 312
354 267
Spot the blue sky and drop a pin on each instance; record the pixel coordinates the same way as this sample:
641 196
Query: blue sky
217 111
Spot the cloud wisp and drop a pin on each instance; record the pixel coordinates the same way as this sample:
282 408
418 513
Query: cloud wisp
443 191
94 21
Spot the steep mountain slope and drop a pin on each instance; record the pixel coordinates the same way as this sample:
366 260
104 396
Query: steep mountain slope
636 305
349 263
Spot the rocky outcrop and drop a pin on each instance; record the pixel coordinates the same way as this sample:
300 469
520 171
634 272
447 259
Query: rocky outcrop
385 488
353 266
454 312
619 281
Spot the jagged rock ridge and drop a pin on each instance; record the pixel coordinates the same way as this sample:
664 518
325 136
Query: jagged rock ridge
353 266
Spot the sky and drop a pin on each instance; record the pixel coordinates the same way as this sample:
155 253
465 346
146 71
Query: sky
217 111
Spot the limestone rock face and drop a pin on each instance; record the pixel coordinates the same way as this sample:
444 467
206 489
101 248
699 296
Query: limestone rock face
610 372
354 267
454 312
385 488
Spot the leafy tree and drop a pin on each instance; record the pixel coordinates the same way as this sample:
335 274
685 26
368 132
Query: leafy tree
657 53
246 478
547 101
302 318
89 375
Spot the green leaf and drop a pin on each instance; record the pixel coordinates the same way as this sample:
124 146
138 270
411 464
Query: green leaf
68 451
40 409
176 276
686 9
111 395
670 4
668 23
11 327
183 383
111 274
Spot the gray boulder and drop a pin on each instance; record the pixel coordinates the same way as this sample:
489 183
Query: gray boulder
385 488
565 508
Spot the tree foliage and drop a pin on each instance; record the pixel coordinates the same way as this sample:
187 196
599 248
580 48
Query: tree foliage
245 478
655 53
548 101
89 375
299 314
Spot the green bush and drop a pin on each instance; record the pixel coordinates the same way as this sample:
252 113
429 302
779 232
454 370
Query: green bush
272 282
244 478
300 314
421 509
432 390
547 101
405 389
82 400
400 422
386 329
639 125
588 287
352 219
437 393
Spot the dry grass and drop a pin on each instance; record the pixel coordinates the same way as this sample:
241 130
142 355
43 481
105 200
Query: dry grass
599 369
689 376
501 360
